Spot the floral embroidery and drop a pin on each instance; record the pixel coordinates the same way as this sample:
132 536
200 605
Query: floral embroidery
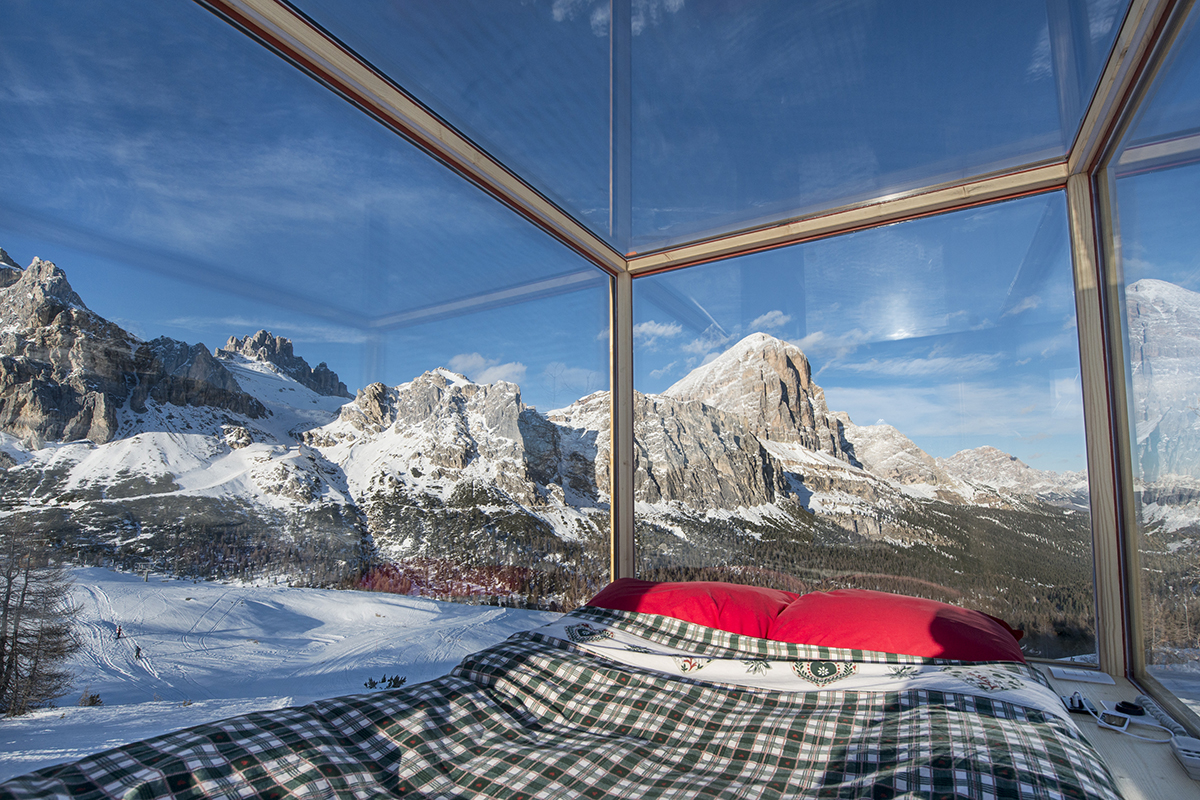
823 673
984 679
901 673
756 666
690 663
584 633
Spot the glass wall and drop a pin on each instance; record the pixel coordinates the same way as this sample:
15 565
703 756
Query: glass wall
896 409
248 333
1152 184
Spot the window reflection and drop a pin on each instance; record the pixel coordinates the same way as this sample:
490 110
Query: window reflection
1151 185
896 409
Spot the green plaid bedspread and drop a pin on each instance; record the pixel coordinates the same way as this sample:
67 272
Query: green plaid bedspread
538 717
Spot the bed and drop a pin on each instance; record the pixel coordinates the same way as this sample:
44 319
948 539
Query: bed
619 703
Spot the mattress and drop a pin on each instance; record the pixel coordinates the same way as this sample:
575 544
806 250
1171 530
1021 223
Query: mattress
618 704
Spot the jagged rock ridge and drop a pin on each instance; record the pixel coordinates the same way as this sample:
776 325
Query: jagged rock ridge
65 371
277 350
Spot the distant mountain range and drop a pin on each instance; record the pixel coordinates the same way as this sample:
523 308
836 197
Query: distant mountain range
245 457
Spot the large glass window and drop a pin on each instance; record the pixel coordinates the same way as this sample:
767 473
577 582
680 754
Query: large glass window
1153 189
249 335
896 409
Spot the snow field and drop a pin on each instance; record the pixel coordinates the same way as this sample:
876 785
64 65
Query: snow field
214 650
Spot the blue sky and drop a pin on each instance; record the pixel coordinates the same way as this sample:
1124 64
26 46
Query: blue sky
264 201
958 329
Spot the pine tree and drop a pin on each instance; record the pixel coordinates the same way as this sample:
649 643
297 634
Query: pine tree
36 634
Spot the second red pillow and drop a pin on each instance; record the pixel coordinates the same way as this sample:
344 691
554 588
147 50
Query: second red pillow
746 610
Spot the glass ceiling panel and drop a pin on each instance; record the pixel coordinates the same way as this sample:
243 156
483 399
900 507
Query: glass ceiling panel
735 116
527 81
744 115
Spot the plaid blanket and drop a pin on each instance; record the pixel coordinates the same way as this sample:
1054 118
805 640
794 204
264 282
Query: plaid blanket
538 716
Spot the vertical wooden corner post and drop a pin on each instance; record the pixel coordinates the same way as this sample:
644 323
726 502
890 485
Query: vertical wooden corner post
1101 420
621 479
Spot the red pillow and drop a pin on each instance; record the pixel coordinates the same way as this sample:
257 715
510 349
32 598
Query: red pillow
861 619
747 610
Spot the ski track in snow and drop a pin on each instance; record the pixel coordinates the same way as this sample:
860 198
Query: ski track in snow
213 650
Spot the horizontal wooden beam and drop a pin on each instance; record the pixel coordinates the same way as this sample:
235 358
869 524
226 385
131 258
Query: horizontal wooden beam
885 210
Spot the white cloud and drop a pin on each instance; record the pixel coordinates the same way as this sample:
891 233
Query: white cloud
565 9
711 340
1027 304
770 321
667 370
836 346
224 327
646 334
643 13
1039 62
487 370
924 367
970 409
571 380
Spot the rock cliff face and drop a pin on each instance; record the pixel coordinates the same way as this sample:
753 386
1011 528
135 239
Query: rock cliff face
171 371
439 428
277 350
769 384
65 371
684 452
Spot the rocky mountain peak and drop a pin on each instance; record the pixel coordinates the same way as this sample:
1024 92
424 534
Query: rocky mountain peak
65 370
988 466
34 297
266 347
10 271
769 383
884 451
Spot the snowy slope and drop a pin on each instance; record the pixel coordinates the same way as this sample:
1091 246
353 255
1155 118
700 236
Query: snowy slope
294 407
212 650
183 452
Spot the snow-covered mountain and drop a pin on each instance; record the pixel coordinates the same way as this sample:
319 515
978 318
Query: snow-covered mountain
769 383
226 461
1164 352
265 348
